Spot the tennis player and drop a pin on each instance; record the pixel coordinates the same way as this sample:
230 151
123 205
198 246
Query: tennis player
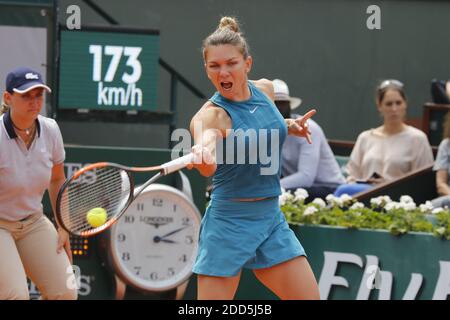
243 226
31 161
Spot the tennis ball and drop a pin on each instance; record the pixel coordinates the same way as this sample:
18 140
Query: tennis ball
96 217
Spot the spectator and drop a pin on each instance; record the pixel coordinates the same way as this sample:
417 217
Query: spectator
442 168
440 91
312 167
31 161
389 151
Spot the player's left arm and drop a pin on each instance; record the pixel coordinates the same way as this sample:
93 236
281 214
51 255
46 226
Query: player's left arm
56 181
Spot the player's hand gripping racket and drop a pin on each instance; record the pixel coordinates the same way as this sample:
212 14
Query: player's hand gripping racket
106 187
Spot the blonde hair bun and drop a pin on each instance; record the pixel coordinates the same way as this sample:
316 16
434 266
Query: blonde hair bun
230 23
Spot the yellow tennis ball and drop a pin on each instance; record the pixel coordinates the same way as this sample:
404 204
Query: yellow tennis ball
96 217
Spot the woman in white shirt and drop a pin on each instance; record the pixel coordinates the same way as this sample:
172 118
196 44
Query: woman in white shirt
31 161
442 168
389 151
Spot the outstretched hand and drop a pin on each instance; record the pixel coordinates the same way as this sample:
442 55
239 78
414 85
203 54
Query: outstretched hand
299 127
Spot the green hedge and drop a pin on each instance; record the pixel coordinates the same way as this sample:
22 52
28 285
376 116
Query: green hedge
397 217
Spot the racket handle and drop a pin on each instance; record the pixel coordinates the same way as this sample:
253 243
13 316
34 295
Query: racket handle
176 164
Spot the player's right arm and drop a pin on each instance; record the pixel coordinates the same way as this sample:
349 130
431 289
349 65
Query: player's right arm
208 126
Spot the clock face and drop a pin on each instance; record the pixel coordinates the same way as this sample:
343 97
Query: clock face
154 244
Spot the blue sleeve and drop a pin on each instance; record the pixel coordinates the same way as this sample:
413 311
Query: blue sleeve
442 158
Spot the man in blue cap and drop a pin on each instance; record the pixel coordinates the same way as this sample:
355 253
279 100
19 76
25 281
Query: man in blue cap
312 167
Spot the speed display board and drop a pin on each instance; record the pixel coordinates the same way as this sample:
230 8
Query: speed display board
108 69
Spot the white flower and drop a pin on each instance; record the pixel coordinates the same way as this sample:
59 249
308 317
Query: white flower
282 200
345 198
357 205
380 201
386 199
310 210
284 197
319 202
335 201
339 202
426 207
330 198
301 194
376 201
392 206
406 199
437 210
410 206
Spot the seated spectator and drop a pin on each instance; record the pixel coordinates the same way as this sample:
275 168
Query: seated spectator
389 151
440 91
308 166
442 168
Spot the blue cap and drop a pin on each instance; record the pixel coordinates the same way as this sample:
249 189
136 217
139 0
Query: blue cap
22 80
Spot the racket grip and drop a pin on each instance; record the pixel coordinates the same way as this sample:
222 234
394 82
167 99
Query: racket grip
176 164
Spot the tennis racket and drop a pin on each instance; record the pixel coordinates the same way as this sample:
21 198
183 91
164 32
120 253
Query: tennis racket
108 186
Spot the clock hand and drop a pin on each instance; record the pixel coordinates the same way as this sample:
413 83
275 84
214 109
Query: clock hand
157 239
168 241
174 231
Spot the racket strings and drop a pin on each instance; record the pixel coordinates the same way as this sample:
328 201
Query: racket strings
107 188
86 194
79 221
86 191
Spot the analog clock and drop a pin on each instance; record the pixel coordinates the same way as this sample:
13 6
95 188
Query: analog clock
154 244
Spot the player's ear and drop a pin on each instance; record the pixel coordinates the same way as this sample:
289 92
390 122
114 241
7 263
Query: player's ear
7 98
206 69
248 64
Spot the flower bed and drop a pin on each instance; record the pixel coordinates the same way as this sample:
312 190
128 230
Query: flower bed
397 217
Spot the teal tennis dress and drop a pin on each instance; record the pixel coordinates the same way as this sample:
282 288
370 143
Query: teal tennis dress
247 234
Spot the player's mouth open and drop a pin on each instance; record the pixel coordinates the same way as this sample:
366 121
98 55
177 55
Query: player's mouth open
226 85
